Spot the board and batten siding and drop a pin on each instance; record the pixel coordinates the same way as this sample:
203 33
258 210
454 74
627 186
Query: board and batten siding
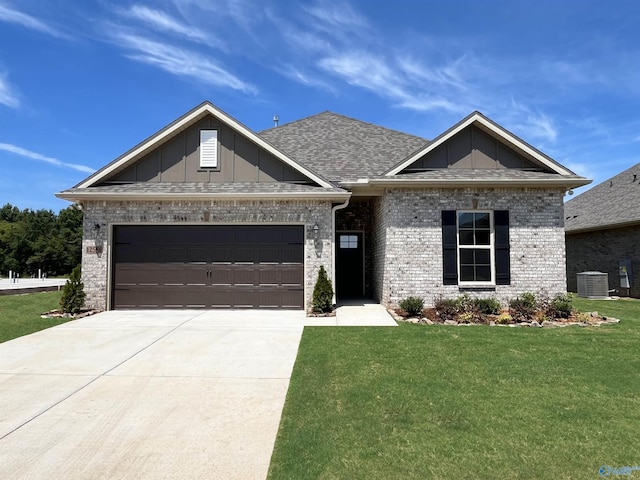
178 160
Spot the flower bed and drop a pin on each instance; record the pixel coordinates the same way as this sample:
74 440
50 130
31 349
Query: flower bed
526 310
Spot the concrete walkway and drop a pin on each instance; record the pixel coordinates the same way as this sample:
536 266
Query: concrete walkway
149 394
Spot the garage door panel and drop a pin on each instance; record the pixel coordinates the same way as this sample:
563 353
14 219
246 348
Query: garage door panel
269 276
292 275
292 298
221 274
221 253
245 275
197 266
292 254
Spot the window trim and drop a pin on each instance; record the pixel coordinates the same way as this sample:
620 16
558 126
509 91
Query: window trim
491 247
214 136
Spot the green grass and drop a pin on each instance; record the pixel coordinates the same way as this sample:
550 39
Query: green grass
20 314
464 402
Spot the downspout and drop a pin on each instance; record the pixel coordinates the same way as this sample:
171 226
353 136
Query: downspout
333 245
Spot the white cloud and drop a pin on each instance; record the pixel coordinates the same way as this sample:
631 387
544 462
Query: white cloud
180 62
337 15
165 23
23 152
377 75
19 18
8 96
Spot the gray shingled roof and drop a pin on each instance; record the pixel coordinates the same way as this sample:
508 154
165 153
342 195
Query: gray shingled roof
614 202
341 148
151 188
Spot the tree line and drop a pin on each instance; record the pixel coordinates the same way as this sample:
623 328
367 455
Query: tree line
32 240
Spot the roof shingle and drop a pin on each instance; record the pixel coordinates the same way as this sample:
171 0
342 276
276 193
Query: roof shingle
614 202
342 148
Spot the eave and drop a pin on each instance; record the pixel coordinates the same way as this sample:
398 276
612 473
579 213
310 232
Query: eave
156 196
566 182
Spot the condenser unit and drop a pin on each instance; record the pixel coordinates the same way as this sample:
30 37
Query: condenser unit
593 285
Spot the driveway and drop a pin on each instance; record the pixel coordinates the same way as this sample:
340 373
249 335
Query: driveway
179 394
153 394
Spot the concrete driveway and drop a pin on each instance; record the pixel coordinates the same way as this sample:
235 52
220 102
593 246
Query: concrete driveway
180 394
153 394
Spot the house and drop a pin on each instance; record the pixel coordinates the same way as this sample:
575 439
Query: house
603 232
207 213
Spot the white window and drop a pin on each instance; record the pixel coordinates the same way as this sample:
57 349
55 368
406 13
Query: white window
348 241
208 148
476 262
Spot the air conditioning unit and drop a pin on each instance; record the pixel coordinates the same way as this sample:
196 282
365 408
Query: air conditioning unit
593 285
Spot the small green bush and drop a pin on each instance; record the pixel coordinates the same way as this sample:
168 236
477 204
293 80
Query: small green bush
412 305
446 308
322 293
466 317
73 294
560 306
488 306
504 319
523 307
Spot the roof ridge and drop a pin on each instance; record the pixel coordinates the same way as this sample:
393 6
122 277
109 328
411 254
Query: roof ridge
352 119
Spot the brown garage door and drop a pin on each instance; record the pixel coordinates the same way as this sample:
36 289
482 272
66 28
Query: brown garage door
204 266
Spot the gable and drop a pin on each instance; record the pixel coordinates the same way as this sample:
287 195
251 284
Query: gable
472 148
178 160
478 143
168 156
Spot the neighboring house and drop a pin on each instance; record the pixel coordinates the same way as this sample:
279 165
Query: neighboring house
603 232
207 213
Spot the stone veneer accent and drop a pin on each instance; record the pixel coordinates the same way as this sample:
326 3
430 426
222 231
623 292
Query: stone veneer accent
95 266
601 251
408 241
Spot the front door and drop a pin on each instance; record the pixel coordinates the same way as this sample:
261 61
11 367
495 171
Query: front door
349 264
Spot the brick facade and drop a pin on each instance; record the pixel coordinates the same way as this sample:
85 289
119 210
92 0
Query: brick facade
95 266
601 251
408 241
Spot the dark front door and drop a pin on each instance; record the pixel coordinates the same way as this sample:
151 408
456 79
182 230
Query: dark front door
349 265
208 266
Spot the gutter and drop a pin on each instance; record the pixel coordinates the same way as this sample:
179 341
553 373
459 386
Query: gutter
430 183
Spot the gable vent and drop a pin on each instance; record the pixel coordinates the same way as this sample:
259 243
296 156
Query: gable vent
208 148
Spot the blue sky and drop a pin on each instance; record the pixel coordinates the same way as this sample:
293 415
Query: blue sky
83 81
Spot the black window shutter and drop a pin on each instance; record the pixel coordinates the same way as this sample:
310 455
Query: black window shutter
503 263
449 248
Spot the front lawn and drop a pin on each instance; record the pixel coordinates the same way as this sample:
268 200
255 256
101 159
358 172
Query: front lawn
20 314
464 402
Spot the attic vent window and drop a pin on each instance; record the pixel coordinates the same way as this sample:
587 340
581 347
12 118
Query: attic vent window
208 148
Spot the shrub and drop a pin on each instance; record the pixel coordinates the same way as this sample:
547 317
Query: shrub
504 319
322 293
466 317
412 305
73 295
447 308
488 306
523 307
560 306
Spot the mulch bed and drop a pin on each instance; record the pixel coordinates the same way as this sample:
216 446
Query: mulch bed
431 317
60 314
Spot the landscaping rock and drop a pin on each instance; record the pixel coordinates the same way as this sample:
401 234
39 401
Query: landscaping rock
535 324
492 323
450 322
